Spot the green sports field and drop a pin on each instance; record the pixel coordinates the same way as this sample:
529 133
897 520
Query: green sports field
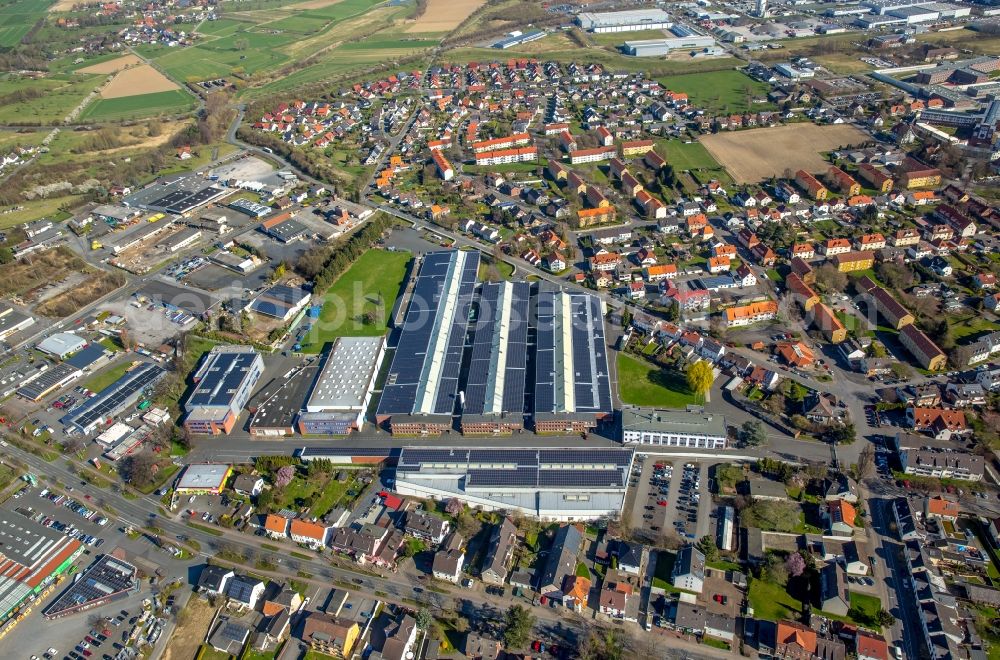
140 105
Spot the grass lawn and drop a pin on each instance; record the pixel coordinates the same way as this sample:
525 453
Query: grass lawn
208 653
771 602
719 91
356 292
102 379
141 105
687 155
717 643
642 384
972 326
868 605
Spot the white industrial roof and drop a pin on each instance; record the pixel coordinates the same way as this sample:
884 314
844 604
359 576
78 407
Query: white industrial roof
203 476
61 343
348 372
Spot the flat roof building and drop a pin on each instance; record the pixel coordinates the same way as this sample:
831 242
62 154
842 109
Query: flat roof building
113 399
61 344
32 557
421 388
203 478
12 321
223 384
631 20
278 404
674 428
660 47
550 484
344 387
106 580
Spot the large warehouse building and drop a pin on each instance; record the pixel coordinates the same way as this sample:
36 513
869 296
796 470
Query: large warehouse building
632 20
494 394
422 384
490 373
572 383
222 387
32 557
550 484
343 389
113 399
660 47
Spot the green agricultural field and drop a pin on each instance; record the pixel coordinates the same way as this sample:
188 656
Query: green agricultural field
718 91
140 105
203 63
687 155
19 17
222 27
642 384
355 293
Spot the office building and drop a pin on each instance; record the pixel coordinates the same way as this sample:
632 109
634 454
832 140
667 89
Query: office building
223 384
673 428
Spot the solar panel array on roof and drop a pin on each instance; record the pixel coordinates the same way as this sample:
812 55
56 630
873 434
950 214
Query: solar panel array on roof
105 578
115 397
523 468
496 380
423 377
181 201
221 377
571 362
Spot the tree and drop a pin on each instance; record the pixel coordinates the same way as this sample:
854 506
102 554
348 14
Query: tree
843 435
423 618
829 279
885 618
774 570
700 377
752 433
138 469
605 644
795 564
707 546
518 622
453 506
284 476
866 462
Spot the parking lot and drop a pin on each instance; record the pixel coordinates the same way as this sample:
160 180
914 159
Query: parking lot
671 497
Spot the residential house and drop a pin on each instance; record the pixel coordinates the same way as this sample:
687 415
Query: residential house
449 559
834 596
689 569
499 552
427 527
561 561
330 635
839 516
